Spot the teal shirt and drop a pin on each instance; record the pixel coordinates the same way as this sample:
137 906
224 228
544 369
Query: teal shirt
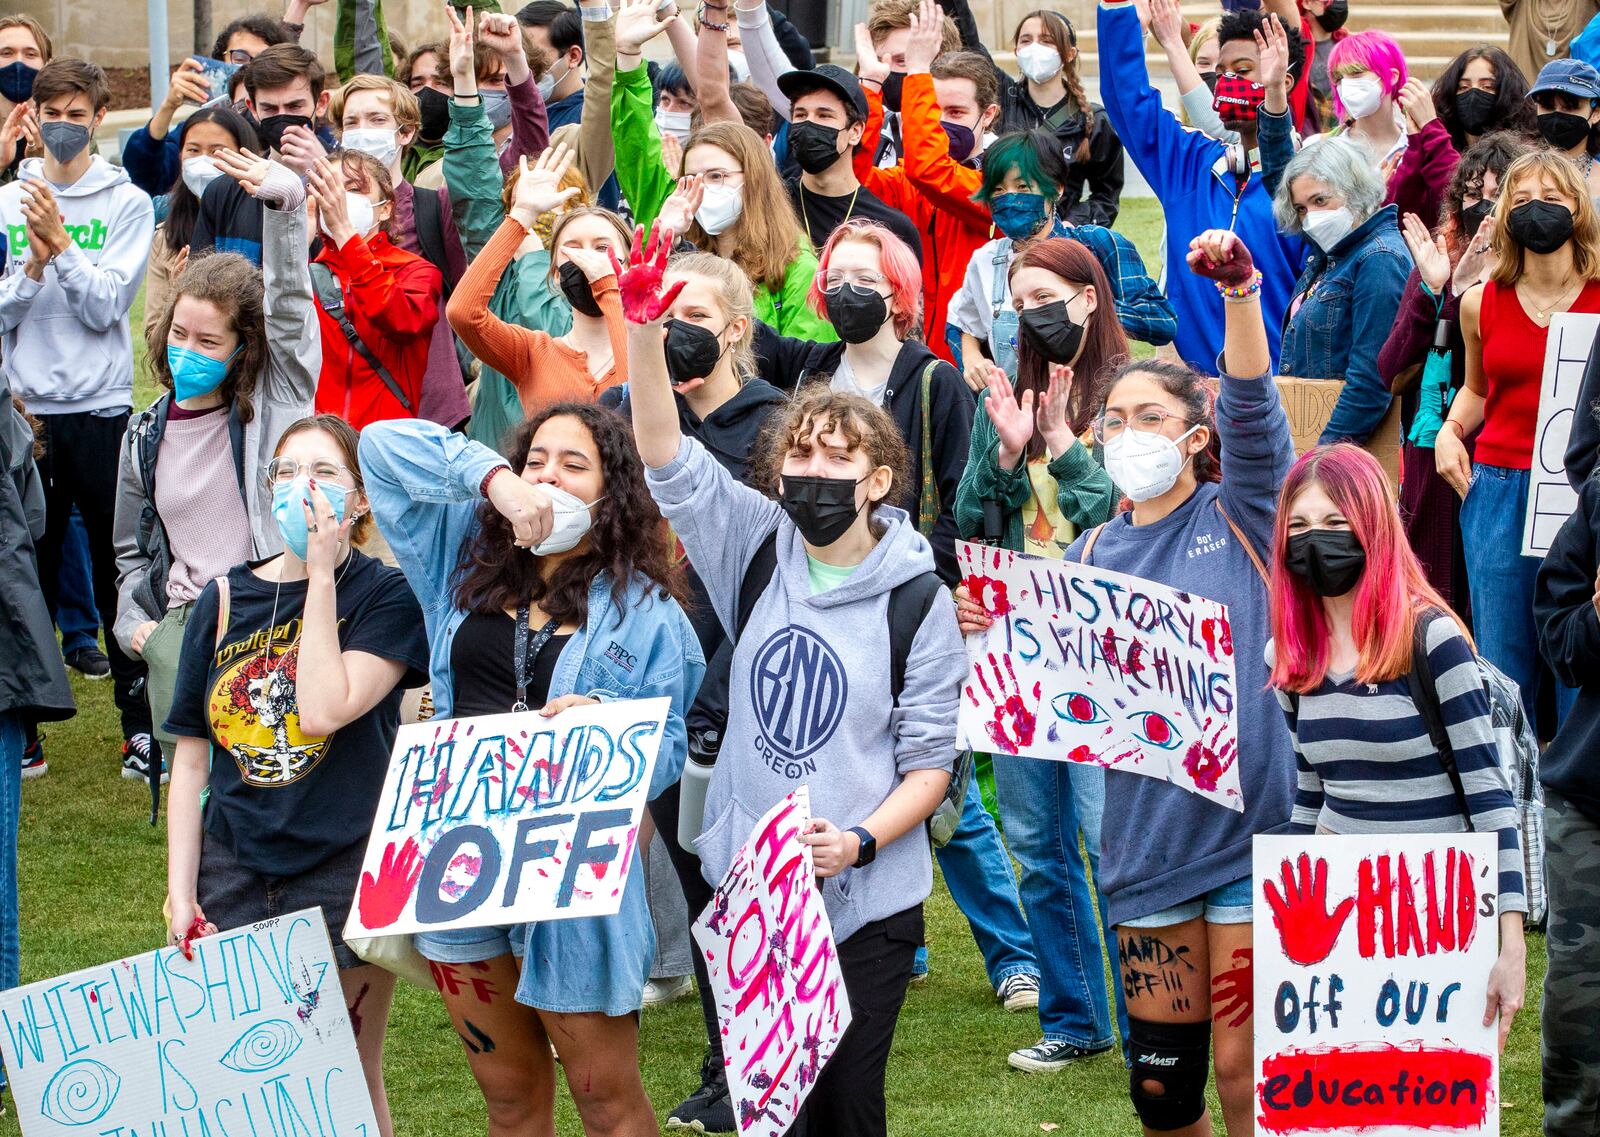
825 577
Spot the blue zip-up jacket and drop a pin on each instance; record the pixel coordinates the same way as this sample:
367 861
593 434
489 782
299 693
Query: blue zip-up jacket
1348 300
154 164
1189 173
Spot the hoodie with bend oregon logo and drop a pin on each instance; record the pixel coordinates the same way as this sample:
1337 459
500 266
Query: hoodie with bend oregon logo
65 339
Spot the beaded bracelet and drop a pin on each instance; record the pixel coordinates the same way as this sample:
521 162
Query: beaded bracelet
1236 292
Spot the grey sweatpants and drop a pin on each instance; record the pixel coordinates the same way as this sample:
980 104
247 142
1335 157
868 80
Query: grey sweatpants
1570 1040
669 912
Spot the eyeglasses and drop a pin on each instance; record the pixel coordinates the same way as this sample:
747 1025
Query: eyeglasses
282 470
1151 420
238 55
872 281
722 177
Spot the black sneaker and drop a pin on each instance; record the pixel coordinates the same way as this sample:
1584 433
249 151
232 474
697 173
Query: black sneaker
1049 1055
90 662
137 754
709 1109
33 763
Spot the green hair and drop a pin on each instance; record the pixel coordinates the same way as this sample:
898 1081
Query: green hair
1034 154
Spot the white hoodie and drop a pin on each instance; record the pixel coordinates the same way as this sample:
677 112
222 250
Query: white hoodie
65 340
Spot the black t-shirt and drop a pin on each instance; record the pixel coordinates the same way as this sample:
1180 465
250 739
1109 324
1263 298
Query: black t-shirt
481 660
229 221
286 802
820 216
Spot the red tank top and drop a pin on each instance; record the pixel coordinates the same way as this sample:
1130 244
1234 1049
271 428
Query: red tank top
1513 361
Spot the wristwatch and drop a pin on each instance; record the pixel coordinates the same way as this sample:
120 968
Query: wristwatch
869 846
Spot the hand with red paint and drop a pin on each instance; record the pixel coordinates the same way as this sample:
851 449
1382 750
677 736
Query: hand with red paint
1300 912
1219 255
188 923
382 898
1232 992
1508 978
640 283
1014 717
970 616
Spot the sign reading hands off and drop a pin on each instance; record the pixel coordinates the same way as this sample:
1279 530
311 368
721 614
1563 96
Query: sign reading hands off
251 1036
503 819
1083 664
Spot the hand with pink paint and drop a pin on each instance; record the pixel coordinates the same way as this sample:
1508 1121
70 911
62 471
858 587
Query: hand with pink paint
1300 912
970 615
640 283
382 898
1015 718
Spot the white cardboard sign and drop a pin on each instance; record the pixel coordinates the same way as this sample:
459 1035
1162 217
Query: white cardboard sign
1551 498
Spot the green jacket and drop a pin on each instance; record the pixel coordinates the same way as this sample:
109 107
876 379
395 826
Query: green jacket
646 184
1086 496
472 172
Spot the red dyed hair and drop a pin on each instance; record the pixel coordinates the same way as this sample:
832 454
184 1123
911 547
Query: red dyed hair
900 268
1392 591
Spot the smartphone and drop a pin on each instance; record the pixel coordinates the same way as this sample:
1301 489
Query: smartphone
218 74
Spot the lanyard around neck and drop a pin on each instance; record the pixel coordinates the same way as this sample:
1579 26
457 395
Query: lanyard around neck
522 654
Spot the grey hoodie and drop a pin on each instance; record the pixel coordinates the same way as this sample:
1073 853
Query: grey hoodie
809 698
65 339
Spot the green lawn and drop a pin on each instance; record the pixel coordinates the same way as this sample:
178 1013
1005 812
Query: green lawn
93 877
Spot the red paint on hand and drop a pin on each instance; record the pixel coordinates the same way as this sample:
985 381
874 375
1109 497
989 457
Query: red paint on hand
1354 1088
197 928
1300 912
640 282
381 899
988 593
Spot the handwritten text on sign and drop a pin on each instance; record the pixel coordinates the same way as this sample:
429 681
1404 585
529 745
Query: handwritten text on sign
1083 664
1372 960
769 949
1551 498
508 818
249 1036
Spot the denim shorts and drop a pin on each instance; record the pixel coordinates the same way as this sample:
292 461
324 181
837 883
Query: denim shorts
233 895
472 945
1231 903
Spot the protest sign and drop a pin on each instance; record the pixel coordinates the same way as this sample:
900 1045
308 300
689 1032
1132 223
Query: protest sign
1372 960
1125 673
249 1036
769 949
503 819
1551 498
1309 403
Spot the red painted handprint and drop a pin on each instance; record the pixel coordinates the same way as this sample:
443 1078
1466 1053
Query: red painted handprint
1014 718
1300 912
383 898
640 282
1232 992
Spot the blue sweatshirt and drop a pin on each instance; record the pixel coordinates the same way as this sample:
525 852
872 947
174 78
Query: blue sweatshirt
1189 173
1164 845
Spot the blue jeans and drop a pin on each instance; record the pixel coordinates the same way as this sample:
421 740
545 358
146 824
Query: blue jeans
13 738
1043 805
75 613
984 886
1500 580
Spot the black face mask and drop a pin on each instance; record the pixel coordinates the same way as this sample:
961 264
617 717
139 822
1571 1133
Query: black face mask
1473 216
1333 19
435 108
575 287
272 127
821 508
1051 332
814 146
893 84
1330 561
1563 129
856 313
1540 226
1475 109
1209 78
692 351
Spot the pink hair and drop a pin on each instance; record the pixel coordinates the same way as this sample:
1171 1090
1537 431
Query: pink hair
1375 52
900 268
1392 589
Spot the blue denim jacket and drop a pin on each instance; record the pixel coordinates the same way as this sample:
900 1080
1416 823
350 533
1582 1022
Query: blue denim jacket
1347 300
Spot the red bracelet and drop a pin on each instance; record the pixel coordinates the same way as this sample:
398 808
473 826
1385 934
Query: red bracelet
483 486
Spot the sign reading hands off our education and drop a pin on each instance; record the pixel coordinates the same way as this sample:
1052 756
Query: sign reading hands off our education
1083 664
1372 961
768 943
251 1036
503 819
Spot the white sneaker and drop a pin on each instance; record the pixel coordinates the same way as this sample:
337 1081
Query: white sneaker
659 992
1019 992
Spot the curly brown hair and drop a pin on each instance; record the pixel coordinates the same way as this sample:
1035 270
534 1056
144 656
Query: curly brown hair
628 538
233 286
865 425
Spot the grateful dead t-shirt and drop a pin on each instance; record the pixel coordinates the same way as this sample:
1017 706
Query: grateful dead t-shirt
282 800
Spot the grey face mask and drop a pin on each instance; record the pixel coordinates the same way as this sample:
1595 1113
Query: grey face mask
497 108
64 140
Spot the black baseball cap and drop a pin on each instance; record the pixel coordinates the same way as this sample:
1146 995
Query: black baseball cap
826 77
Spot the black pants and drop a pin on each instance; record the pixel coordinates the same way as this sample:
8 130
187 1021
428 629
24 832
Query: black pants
79 467
848 1100
697 894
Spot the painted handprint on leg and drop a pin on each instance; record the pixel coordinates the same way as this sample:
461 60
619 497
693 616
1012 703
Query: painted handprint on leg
1014 717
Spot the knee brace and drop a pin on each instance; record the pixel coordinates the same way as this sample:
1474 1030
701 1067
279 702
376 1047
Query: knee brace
1175 1057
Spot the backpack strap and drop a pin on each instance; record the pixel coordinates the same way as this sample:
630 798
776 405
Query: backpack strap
909 605
928 501
428 217
1249 547
224 609
330 295
1088 543
757 575
1425 694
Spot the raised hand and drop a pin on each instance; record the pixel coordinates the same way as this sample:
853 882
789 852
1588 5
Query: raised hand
1166 24
677 213
1300 912
500 33
261 178
1473 267
640 283
1013 420
1416 101
868 65
462 68
1274 52
526 506
927 36
639 22
381 899
1053 422
672 154
188 85
1015 718
12 132
301 149
1428 251
326 187
1218 254
539 185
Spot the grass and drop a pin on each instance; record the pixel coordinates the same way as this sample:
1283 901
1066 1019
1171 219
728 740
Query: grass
93 877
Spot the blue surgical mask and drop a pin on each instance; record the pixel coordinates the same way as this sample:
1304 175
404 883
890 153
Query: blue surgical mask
497 108
1019 215
195 373
288 509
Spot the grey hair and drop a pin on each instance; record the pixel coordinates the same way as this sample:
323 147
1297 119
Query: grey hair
1341 164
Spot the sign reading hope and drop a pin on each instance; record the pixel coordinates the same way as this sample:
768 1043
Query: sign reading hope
503 819
1372 960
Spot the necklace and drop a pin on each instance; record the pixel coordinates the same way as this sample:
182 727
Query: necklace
806 217
272 621
1544 311
1550 33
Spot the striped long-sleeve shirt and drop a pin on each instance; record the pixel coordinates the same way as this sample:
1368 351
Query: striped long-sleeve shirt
1367 765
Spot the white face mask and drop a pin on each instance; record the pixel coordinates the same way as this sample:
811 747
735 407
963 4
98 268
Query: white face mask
1361 96
384 145
548 81
675 123
1144 464
198 173
741 69
361 212
572 521
1327 227
720 208
1039 61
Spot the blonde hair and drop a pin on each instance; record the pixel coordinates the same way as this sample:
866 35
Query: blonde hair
767 235
402 103
40 37
736 294
1204 34
571 215
1511 257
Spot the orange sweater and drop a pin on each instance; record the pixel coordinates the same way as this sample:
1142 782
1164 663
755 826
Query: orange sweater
544 370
